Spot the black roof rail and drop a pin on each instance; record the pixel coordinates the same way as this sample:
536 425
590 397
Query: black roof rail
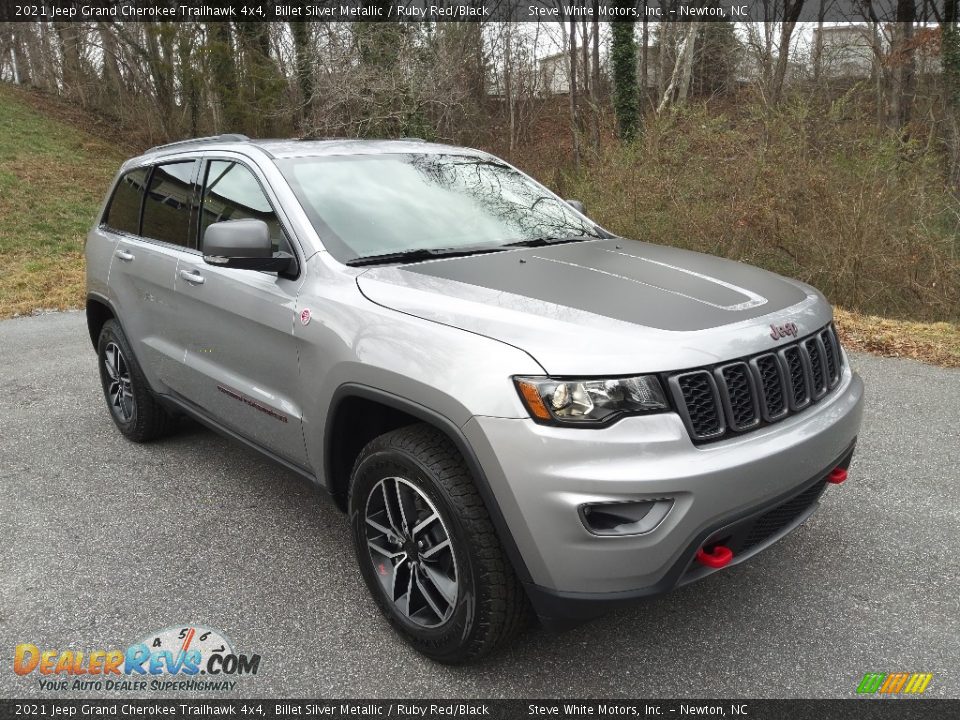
227 137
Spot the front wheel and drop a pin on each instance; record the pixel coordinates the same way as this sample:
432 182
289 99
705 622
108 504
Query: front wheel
427 549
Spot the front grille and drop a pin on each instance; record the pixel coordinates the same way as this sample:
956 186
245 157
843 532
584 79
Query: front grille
817 371
701 402
773 387
833 356
737 388
797 377
775 520
748 393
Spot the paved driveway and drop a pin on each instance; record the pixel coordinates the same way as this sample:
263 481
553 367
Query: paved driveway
102 541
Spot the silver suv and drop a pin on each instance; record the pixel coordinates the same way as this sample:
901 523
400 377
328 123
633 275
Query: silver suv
517 410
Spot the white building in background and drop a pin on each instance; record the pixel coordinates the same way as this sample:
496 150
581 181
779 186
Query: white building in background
555 74
847 50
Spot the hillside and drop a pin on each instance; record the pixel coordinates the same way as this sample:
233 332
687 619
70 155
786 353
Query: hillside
56 162
52 179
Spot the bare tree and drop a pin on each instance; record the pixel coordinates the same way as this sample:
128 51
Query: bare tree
902 59
679 84
572 92
791 13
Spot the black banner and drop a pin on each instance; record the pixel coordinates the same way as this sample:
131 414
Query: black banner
453 10
854 709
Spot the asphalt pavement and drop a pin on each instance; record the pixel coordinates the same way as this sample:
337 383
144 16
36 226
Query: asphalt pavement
103 541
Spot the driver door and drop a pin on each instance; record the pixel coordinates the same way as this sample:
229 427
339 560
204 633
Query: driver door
241 357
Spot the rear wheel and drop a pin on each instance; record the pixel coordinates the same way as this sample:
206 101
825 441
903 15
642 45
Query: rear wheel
134 409
427 549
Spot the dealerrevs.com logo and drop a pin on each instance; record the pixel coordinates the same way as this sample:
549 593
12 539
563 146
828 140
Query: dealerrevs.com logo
177 658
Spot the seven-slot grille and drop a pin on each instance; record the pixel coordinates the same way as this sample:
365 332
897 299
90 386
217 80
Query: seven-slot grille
745 394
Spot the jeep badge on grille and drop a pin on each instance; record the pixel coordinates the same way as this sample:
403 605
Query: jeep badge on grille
781 331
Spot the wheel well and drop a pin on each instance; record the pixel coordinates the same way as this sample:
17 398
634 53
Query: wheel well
97 314
354 423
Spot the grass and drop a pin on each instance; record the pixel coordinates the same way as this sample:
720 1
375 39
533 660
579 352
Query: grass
53 175
825 197
935 343
52 179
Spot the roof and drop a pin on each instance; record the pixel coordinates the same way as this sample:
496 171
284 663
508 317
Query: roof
289 148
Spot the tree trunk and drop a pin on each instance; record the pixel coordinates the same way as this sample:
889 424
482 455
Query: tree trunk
682 69
508 84
189 76
72 80
644 58
818 44
303 66
666 31
223 76
159 56
595 80
791 13
18 56
686 67
950 58
112 91
574 121
623 59
903 65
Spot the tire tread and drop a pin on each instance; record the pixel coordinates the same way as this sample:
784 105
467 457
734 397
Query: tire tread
502 608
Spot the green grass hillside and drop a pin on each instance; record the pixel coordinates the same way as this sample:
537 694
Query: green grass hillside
53 176
56 163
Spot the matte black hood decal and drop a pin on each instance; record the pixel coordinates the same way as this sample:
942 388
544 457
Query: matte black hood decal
651 285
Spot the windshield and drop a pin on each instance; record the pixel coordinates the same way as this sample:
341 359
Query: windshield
369 205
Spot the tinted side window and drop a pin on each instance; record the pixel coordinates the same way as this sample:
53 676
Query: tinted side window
166 212
232 192
123 212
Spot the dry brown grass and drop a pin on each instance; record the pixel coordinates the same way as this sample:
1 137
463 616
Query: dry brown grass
935 343
824 197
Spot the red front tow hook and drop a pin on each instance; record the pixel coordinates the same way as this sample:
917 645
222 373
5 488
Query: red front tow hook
716 557
837 476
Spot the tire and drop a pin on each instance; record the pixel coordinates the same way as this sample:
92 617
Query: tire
486 606
135 411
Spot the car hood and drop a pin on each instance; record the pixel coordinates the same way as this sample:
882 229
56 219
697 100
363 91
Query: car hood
604 306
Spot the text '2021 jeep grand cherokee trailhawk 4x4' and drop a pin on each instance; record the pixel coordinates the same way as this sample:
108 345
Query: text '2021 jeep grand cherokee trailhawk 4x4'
516 408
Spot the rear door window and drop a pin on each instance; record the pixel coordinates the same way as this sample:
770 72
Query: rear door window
168 208
123 211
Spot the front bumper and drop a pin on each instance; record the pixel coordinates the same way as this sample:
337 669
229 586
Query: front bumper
540 476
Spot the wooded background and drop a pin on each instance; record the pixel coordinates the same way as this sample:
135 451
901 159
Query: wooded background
751 141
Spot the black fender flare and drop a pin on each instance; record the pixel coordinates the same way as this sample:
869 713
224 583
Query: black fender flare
451 430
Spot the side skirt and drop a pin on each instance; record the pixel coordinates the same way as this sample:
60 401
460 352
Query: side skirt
180 404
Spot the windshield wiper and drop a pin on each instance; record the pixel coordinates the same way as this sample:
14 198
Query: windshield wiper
541 241
419 254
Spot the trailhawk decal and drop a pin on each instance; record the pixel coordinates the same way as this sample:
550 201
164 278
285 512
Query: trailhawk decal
240 397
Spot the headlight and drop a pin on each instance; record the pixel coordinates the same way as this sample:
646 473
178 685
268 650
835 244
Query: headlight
590 401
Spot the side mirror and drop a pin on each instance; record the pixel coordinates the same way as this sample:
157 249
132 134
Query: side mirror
577 205
243 244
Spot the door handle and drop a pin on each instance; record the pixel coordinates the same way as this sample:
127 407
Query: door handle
192 276
124 255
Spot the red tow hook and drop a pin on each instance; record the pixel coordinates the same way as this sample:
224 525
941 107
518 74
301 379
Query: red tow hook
716 557
837 476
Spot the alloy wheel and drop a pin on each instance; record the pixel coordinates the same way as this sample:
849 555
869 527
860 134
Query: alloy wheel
119 383
411 551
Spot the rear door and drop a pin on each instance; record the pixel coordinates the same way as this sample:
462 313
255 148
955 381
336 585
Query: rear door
144 265
241 361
